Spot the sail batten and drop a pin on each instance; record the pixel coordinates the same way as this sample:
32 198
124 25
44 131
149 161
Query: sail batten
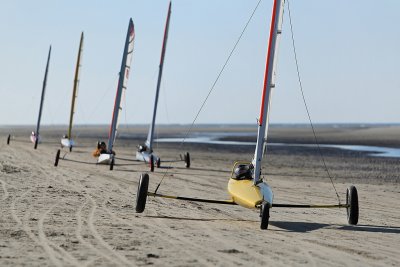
122 83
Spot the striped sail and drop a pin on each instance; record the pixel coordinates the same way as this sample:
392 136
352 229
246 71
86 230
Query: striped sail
122 83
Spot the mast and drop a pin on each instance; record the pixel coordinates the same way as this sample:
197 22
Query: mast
43 92
269 84
75 89
122 82
149 141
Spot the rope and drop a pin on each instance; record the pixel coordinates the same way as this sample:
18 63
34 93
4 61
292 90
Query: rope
305 104
211 89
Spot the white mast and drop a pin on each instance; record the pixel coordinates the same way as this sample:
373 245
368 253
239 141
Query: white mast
269 84
122 83
149 141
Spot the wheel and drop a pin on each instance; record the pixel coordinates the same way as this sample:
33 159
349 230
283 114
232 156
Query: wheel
57 158
36 143
264 216
352 202
187 160
8 139
158 163
70 149
112 164
141 195
151 162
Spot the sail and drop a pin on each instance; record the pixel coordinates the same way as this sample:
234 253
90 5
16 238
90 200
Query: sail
122 83
269 84
76 85
43 93
150 136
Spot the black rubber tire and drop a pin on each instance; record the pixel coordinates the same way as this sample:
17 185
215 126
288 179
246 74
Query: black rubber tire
158 163
151 163
8 139
57 158
141 194
112 164
264 216
187 160
36 143
352 201
70 149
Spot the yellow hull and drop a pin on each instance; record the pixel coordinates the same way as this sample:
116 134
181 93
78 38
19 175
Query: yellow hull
245 193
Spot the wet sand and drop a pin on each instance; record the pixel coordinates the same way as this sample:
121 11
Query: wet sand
82 214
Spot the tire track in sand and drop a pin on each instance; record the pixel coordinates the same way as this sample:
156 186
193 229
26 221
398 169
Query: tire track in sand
47 244
6 194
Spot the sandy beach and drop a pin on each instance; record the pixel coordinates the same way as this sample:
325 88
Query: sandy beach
83 214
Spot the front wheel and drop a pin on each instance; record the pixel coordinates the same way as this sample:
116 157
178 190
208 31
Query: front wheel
158 163
264 216
151 163
70 149
141 194
8 139
36 143
112 164
187 160
57 158
352 205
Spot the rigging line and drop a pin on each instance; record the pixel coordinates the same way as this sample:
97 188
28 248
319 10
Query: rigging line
211 89
305 104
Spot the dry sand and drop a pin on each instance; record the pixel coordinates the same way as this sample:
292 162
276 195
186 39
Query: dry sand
81 214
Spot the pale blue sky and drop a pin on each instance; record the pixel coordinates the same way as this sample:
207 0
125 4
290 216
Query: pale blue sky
348 53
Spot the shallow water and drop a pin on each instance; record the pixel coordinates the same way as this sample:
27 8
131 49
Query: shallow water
213 138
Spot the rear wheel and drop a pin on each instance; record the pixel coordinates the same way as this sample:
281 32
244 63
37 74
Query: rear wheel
57 158
8 139
141 194
151 163
112 164
187 160
264 216
36 143
352 205
158 163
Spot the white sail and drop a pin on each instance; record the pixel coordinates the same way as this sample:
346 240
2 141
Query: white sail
122 83
269 84
150 137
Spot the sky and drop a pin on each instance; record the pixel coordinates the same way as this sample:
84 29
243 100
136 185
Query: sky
348 53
